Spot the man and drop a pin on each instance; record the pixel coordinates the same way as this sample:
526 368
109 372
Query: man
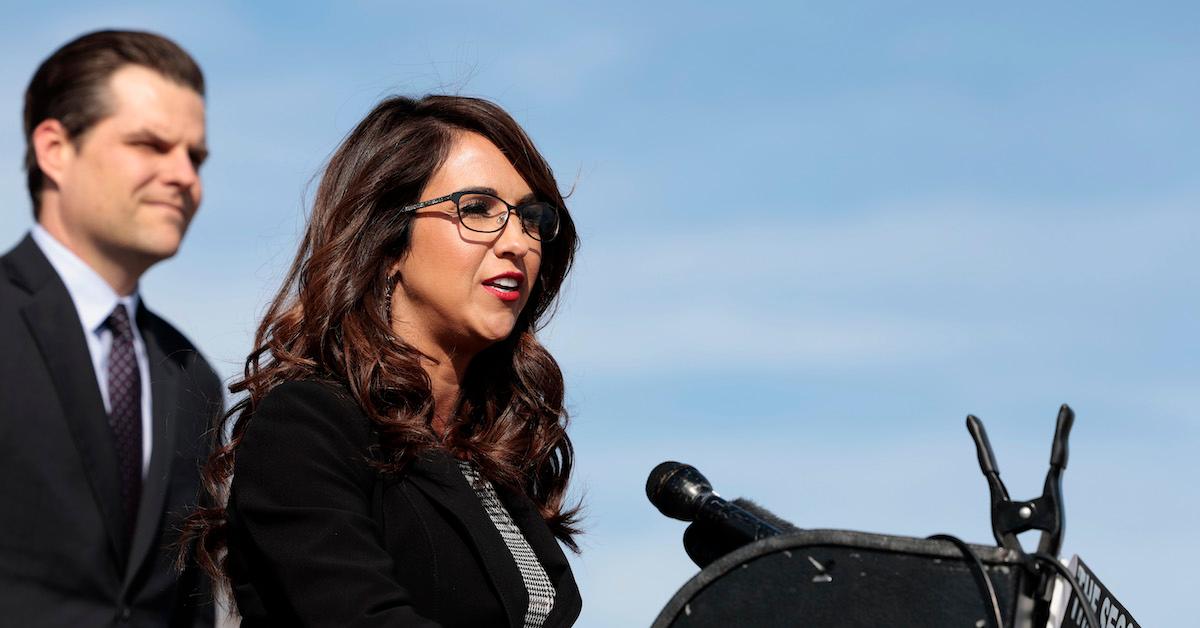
103 405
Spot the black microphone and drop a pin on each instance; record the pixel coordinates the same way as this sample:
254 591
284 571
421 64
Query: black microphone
681 492
705 543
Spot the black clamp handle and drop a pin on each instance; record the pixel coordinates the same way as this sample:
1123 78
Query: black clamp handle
1046 512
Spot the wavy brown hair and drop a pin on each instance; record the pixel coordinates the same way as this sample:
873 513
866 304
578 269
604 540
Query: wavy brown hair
329 321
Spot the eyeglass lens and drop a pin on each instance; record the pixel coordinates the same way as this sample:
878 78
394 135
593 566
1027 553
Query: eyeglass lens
487 214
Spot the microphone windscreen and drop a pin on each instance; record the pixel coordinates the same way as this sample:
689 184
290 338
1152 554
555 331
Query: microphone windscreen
705 541
786 527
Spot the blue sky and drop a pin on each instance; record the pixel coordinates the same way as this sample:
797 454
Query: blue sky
815 237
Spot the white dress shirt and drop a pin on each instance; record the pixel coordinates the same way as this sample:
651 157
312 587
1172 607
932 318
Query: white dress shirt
94 300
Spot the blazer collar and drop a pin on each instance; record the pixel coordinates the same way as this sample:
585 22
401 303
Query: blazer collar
166 374
525 514
94 299
437 475
54 325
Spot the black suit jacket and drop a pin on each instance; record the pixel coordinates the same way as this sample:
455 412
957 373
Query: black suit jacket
318 538
64 561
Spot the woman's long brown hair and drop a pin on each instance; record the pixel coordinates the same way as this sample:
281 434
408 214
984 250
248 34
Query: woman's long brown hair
329 322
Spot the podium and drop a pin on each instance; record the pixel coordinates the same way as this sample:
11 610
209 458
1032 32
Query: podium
845 579
757 570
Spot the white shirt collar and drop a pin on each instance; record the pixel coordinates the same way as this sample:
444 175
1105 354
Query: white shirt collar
94 299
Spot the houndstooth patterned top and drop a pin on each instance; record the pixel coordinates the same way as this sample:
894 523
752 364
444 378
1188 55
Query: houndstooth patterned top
537 583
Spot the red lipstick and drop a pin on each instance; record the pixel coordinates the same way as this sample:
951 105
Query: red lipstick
505 286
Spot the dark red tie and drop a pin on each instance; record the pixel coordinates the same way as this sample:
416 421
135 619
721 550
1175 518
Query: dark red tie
125 414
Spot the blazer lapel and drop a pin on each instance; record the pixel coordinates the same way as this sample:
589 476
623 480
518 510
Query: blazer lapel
165 375
567 603
55 327
437 475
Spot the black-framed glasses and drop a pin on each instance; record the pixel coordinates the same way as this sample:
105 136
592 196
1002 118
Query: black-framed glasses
487 213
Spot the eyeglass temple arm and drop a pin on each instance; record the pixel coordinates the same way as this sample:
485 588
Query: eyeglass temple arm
424 204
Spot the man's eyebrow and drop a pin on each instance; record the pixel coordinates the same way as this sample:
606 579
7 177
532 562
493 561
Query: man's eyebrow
198 154
146 135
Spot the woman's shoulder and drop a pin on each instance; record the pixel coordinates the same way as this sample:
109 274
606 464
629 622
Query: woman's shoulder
311 393
302 442
300 409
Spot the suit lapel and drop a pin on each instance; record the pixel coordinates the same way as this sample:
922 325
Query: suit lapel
542 542
438 476
165 375
54 324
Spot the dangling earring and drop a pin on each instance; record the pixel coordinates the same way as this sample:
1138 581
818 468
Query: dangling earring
387 297
387 302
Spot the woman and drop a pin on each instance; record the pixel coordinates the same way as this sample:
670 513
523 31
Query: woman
400 458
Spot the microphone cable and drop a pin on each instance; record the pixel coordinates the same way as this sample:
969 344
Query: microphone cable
986 590
1089 613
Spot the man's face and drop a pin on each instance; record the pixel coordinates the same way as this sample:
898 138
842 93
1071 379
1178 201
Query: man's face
131 184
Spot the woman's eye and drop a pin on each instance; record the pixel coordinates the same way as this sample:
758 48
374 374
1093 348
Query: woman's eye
474 208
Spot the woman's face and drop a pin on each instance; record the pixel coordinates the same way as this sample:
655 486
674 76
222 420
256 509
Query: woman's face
459 290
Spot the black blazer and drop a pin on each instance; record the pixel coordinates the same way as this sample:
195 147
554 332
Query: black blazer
317 538
64 560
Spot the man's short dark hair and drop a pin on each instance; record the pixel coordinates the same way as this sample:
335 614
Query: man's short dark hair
70 86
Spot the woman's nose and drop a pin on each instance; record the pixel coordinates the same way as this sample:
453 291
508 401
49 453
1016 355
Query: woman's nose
513 240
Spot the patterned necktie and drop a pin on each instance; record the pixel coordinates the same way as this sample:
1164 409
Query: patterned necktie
125 414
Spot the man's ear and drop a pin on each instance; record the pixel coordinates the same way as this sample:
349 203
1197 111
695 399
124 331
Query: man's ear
53 149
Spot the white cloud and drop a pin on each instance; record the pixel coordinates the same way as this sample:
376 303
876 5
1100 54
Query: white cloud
909 285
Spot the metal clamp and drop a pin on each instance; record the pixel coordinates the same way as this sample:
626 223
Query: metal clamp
1046 513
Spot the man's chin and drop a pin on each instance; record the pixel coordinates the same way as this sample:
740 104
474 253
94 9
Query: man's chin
160 248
